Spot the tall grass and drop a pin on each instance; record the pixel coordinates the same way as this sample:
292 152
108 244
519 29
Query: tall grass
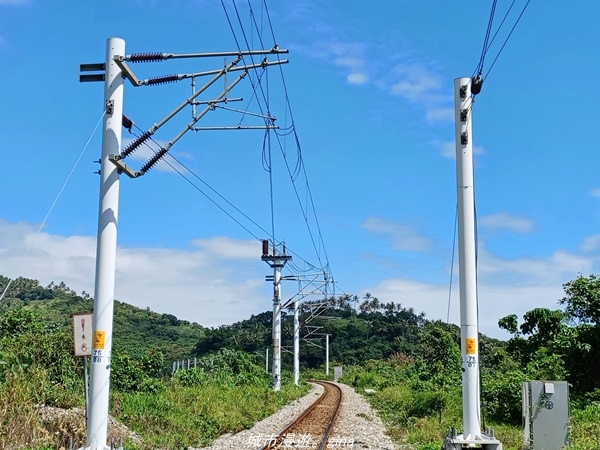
20 422
184 416
419 418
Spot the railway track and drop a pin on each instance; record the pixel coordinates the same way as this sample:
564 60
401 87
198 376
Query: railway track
312 428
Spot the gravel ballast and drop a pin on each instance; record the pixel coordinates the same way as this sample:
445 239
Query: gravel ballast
357 426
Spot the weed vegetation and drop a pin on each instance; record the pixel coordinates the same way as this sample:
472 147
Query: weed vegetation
419 414
226 392
411 367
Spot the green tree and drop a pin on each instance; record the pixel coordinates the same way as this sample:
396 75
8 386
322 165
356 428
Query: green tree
582 299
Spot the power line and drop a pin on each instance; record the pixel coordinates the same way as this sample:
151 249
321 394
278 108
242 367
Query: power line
205 194
267 158
507 38
452 265
61 190
479 69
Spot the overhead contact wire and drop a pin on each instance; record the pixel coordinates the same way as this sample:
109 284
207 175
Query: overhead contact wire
507 38
205 194
299 163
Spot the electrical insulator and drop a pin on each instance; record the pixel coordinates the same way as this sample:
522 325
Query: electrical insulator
265 247
127 122
476 85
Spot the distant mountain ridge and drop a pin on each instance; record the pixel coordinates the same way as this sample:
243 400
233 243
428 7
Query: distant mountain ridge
135 330
359 329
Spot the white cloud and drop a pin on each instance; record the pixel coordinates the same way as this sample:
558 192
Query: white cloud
448 149
595 192
226 248
215 281
440 114
221 280
415 82
555 269
506 221
349 56
357 78
504 287
590 243
403 237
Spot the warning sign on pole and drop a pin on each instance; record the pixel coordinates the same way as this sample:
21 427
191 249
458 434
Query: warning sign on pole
471 346
82 334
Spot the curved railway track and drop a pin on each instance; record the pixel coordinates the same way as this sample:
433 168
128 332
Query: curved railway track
311 429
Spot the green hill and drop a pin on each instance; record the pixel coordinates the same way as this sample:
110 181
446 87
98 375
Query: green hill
135 330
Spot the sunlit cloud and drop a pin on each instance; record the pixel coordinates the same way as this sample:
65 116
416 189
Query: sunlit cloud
213 282
504 287
591 243
440 114
415 82
371 63
402 237
506 221
552 269
348 56
357 78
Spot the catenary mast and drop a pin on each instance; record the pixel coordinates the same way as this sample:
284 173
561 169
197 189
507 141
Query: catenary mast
467 260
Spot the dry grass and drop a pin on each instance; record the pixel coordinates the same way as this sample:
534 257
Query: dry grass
20 423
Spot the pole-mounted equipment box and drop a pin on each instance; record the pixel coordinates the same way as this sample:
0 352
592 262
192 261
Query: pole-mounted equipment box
545 415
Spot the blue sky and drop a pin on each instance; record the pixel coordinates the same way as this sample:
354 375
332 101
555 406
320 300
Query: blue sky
370 90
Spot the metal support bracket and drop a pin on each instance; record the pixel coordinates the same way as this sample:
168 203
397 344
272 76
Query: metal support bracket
464 113
126 71
123 168
109 107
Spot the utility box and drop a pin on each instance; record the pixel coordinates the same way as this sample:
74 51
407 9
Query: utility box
337 373
545 415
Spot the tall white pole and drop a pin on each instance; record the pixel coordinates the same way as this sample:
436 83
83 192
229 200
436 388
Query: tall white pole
467 259
267 360
106 250
277 262
276 369
326 354
296 344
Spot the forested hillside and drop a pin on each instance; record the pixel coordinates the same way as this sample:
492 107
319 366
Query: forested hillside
413 364
136 330
359 330
547 344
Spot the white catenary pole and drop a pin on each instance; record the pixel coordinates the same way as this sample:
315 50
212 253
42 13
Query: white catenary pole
326 354
267 360
276 369
296 344
466 258
277 262
472 436
106 250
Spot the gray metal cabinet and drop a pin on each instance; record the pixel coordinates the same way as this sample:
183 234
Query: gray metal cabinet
545 415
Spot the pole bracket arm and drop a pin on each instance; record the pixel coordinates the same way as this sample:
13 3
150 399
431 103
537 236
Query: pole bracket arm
123 168
126 71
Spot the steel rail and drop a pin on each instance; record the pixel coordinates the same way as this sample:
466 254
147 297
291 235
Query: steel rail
335 413
279 436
